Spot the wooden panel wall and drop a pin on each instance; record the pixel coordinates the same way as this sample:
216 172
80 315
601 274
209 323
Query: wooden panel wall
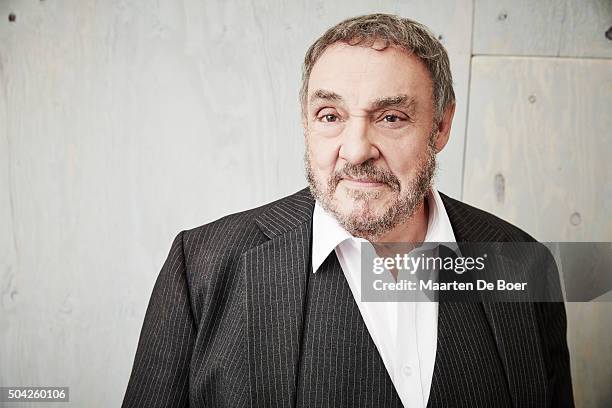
123 122
539 142
538 150
556 28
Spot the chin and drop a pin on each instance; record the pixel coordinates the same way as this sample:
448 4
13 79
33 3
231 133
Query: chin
361 207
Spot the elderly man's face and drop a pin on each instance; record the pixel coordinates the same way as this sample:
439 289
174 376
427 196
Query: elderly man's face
370 139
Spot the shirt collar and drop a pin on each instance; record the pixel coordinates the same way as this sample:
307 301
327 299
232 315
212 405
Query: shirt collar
327 233
439 228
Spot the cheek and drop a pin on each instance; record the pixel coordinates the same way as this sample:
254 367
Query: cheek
403 159
323 154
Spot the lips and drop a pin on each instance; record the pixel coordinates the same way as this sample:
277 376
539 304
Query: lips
363 181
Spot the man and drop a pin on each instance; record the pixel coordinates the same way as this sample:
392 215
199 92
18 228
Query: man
263 308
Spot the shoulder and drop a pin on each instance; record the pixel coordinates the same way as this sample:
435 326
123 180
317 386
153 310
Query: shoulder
212 253
494 235
474 224
240 222
235 233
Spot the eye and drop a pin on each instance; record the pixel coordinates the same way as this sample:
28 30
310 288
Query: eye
330 117
392 118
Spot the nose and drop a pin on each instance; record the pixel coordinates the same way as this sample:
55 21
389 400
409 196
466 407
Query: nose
357 146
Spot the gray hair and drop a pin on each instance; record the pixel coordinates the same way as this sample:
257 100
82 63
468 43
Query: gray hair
407 34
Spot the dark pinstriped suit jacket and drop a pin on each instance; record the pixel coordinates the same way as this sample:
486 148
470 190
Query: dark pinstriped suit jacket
237 318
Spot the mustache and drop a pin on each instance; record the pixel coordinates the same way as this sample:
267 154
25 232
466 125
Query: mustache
364 170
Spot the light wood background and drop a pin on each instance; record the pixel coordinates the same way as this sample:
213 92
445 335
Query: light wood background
124 122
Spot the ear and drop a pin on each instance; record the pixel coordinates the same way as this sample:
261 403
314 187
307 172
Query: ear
444 127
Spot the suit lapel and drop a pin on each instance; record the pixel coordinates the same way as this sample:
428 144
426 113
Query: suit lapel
513 325
276 276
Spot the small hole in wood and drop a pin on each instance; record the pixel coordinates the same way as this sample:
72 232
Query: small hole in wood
12 17
575 219
500 187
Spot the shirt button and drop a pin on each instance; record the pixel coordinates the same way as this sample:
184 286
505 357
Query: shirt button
407 371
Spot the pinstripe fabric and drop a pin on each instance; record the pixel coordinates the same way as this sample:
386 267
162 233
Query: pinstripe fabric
276 274
234 321
167 336
339 364
468 370
530 337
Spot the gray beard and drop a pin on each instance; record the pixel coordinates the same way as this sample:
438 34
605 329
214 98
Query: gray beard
370 225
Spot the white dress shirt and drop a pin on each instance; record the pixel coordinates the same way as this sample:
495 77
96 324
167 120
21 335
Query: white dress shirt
405 333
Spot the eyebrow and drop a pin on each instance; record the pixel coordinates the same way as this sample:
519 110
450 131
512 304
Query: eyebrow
402 100
326 96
